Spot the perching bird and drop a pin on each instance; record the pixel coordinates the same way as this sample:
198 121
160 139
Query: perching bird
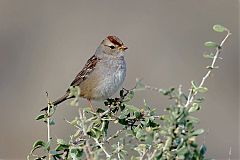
103 73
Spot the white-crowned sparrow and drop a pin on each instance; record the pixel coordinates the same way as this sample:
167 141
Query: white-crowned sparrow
103 73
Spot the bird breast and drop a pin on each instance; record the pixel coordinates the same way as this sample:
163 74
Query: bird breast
113 75
106 79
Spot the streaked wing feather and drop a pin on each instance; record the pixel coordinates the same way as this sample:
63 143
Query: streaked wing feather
87 69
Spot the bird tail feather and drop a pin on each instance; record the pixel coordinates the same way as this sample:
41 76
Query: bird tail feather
59 100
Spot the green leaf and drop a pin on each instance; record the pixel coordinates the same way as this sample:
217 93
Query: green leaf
94 132
202 89
168 143
41 116
137 114
182 151
139 86
51 122
74 121
203 150
62 147
122 121
39 144
100 110
167 92
211 44
139 134
75 153
61 141
130 96
194 86
131 108
208 55
197 132
77 133
219 28
149 139
53 152
74 91
199 100
195 107
192 119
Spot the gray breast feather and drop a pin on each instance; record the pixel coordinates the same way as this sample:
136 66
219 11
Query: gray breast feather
112 79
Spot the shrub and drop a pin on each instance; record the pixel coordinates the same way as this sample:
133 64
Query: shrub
149 135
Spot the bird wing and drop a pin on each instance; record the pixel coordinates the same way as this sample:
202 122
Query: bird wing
87 69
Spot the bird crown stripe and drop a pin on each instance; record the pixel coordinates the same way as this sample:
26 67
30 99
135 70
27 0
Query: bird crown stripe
114 40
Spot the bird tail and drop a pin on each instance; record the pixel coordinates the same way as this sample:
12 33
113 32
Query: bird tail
61 99
58 101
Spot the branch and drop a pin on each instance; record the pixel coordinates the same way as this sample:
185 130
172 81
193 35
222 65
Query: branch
100 145
192 94
87 148
48 123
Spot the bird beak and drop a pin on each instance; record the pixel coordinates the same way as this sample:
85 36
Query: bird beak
123 48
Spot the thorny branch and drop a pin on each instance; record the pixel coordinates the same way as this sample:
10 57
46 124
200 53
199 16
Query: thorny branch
192 94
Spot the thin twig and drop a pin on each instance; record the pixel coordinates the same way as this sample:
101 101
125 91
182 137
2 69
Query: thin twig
114 135
192 94
143 155
153 154
100 145
87 148
119 157
48 124
230 153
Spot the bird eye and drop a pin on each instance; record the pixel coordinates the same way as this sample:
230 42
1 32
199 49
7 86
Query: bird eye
112 47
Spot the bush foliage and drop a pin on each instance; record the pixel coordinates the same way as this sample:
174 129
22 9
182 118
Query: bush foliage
140 133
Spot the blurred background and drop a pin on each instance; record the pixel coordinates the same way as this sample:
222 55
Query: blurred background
44 44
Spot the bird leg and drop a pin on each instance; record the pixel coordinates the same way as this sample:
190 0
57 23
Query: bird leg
90 104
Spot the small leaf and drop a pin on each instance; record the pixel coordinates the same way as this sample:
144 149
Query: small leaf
194 86
139 86
62 147
137 114
139 134
61 141
182 151
51 122
203 150
211 44
202 89
122 121
199 100
167 92
74 91
168 143
77 133
208 55
100 110
131 108
39 144
74 121
195 107
41 116
197 132
75 153
219 28
130 96
192 119
53 152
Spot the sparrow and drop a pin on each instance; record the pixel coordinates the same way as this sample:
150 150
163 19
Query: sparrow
102 75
